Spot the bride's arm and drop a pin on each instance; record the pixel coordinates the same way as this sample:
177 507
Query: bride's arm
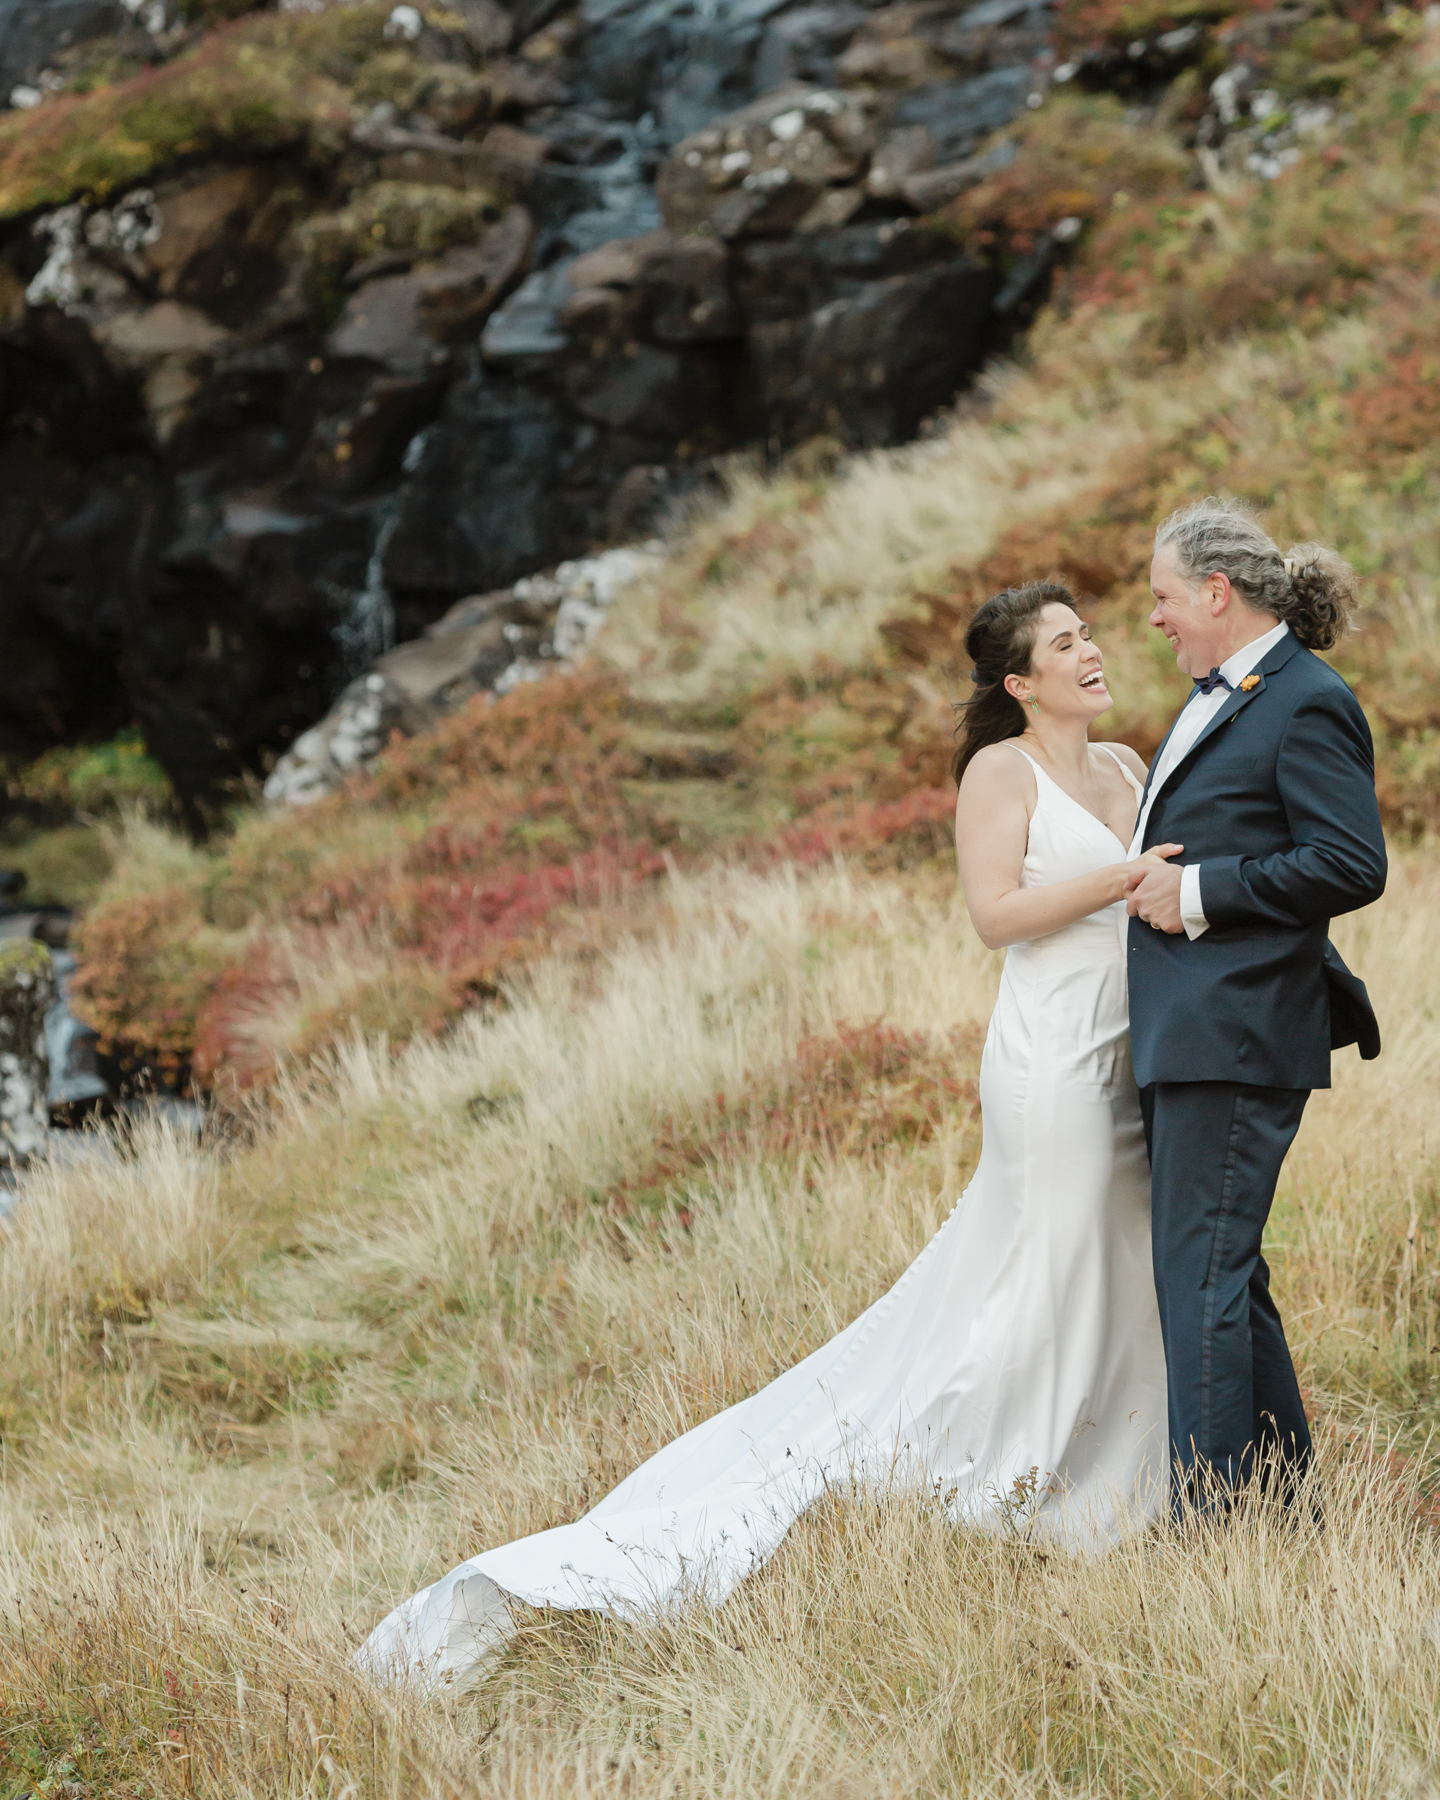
992 825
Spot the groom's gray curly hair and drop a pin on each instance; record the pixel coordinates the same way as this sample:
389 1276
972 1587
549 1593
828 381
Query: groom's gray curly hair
1312 588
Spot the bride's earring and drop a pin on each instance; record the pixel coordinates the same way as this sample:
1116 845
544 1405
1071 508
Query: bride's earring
1035 704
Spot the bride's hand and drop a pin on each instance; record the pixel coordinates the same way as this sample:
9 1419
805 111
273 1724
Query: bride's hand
1154 858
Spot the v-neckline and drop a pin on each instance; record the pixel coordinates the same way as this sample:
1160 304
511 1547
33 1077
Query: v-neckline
1079 806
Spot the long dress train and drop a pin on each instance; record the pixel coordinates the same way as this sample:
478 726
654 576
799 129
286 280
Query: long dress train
1024 1337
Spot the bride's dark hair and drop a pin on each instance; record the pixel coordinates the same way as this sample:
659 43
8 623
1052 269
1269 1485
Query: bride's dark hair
999 642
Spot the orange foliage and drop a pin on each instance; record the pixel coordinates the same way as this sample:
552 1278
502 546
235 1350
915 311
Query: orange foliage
1399 409
546 735
510 818
144 972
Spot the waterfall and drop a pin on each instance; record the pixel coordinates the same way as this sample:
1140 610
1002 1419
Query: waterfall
367 626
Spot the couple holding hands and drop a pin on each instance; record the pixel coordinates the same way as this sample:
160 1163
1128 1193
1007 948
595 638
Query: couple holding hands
1092 1329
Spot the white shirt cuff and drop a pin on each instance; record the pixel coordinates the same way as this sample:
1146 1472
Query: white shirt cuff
1192 912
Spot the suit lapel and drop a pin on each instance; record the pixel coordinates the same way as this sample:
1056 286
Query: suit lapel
1235 702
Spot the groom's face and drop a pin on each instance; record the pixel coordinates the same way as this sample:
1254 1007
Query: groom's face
1185 613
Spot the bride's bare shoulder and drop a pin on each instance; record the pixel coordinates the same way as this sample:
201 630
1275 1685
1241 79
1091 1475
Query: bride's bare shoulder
1000 772
1132 760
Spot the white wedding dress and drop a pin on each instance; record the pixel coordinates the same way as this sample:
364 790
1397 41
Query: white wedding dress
1021 1346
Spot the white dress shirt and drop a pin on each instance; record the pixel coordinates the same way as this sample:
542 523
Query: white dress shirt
1199 710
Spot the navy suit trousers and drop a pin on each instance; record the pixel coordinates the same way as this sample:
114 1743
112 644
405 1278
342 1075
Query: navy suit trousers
1215 1153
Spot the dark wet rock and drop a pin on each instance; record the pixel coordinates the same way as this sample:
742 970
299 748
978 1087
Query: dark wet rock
665 286
869 366
426 158
502 476
529 327
354 445
33 33
804 44
52 926
957 114
263 422
216 242
908 151
990 13
758 172
929 189
995 33
1027 276
381 323
796 277
404 321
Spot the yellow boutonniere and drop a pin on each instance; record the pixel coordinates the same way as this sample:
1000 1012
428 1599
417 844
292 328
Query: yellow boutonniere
1250 681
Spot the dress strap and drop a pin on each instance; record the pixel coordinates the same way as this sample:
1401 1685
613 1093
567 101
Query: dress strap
1123 767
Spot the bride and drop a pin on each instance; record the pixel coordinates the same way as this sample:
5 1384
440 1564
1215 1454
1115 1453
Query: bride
1018 1363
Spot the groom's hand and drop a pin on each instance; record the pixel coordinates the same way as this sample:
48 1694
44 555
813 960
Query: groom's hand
1155 898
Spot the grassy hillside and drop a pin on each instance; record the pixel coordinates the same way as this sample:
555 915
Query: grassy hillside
593 1057
780 688
253 1394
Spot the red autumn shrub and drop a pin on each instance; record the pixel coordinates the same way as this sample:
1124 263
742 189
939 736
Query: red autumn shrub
1398 410
545 735
147 968
886 834
420 887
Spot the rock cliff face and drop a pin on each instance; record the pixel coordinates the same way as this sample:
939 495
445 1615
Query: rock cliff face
267 415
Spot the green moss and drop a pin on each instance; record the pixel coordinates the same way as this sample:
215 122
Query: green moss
94 777
22 956
405 216
267 83
1318 59
1080 157
394 75
65 857
63 867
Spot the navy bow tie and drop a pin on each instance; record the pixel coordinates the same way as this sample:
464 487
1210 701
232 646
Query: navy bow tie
1207 684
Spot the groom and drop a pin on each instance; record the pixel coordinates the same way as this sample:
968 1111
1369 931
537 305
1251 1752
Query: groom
1237 998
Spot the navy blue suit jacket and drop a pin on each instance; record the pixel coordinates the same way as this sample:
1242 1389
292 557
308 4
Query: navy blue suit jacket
1276 802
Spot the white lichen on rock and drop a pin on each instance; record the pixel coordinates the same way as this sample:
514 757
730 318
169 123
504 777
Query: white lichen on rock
74 274
356 729
584 591
359 724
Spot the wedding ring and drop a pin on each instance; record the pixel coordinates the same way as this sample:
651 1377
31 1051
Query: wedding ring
1151 923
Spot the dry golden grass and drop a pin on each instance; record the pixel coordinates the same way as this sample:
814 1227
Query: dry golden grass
256 1391
792 569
